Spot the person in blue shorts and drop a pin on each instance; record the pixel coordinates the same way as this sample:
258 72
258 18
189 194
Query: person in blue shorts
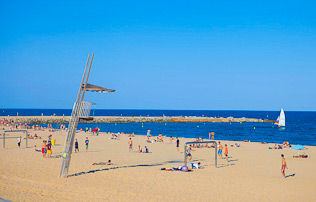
87 144
220 149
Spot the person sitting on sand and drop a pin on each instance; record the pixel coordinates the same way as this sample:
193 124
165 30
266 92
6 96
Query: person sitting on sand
146 150
139 149
160 137
104 163
148 140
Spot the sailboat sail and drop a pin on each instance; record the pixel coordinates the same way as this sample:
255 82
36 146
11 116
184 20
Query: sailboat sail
277 121
282 119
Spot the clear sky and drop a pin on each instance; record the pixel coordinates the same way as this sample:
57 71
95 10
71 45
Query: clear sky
230 55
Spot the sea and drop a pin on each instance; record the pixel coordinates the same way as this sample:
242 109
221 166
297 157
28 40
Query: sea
300 125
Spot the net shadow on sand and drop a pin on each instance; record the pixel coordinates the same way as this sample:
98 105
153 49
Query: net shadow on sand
130 166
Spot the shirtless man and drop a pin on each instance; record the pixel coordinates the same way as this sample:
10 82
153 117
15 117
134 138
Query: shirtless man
226 152
130 144
284 165
220 149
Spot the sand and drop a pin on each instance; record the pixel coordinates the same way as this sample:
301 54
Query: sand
253 172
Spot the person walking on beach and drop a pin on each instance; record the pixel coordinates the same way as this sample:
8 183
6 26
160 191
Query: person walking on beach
213 134
284 165
76 146
226 152
220 149
130 144
178 143
188 153
19 142
87 144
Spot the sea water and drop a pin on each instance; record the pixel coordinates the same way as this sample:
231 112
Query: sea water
300 126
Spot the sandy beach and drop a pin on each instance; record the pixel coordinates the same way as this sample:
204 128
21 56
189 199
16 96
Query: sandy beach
252 173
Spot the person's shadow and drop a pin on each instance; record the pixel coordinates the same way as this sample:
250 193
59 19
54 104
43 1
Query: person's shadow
292 175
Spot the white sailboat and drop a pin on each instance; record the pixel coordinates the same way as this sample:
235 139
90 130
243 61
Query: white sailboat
281 119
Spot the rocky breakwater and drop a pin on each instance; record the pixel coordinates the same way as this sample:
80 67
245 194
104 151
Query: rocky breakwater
128 119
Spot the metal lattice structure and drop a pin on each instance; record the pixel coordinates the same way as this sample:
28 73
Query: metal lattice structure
80 108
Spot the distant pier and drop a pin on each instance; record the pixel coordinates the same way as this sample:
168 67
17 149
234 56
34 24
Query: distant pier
130 119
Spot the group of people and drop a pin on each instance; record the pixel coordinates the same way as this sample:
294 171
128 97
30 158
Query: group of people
77 145
220 151
285 144
47 147
140 150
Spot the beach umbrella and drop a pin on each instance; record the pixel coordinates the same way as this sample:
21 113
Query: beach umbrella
298 147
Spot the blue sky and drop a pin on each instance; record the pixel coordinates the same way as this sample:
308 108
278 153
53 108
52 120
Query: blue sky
245 55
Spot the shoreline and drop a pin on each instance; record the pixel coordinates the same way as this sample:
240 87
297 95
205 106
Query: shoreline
131 119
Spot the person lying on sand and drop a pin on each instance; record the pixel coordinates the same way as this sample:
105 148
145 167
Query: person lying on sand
301 156
196 166
104 163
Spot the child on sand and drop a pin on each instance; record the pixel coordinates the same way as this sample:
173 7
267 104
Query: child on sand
284 165
76 146
87 144
139 149
44 148
226 152
19 142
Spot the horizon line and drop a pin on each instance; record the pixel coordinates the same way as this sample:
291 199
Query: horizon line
169 109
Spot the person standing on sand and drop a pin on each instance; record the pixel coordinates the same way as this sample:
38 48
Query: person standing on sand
178 143
188 153
148 133
226 152
48 150
87 144
284 165
220 149
19 142
209 135
130 144
44 148
76 146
